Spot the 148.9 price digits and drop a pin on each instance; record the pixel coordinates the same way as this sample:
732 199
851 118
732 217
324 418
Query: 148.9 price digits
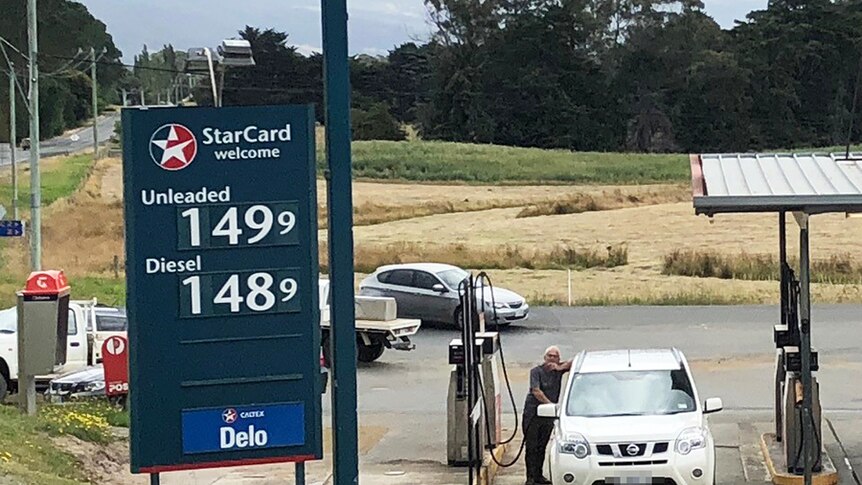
215 294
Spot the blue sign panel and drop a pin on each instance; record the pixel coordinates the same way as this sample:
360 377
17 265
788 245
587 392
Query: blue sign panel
11 228
241 428
222 286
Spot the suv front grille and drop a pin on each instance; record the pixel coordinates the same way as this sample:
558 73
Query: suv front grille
624 449
620 450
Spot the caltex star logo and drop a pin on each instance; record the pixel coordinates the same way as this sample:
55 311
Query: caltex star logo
229 415
173 147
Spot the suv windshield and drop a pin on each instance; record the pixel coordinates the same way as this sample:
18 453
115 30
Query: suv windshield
453 277
630 393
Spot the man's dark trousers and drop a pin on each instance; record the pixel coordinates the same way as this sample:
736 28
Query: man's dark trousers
538 432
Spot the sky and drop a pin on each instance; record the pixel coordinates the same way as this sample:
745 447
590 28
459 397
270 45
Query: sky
375 25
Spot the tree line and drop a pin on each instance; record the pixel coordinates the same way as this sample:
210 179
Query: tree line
603 75
67 31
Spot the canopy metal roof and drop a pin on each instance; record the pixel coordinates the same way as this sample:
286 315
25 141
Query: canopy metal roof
746 182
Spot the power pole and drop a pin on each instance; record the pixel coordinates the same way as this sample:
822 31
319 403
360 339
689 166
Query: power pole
143 101
125 103
95 97
35 176
13 129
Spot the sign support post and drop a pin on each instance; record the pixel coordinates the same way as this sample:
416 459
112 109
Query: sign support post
339 200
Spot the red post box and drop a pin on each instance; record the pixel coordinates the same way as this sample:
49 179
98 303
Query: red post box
115 361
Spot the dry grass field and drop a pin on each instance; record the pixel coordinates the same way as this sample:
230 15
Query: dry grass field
479 227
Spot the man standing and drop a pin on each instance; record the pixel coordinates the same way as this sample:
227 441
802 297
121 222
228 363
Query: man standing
545 383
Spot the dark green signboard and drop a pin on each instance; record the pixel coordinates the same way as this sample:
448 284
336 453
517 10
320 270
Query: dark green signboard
222 286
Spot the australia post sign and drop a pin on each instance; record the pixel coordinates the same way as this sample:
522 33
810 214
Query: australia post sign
222 275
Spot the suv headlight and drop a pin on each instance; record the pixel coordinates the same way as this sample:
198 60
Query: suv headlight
691 439
575 444
94 386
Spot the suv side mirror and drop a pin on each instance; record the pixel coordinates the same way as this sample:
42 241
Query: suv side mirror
439 288
712 405
547 411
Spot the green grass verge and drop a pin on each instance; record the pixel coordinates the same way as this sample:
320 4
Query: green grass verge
89 420
27 456
61 180
445 161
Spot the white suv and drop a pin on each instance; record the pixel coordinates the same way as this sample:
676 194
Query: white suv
634 417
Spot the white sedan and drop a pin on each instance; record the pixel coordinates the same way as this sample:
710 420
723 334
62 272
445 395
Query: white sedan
631 416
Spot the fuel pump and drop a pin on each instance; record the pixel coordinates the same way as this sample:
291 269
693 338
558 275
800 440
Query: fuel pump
789 420
474 404
465 408
459 409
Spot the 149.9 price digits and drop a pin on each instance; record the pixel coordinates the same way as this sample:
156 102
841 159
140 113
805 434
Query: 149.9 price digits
223 226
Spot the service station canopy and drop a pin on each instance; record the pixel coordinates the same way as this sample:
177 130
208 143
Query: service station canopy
807 183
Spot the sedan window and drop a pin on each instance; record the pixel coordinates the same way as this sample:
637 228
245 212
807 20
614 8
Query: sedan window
401 277
424 280
453 277
384 276
630 393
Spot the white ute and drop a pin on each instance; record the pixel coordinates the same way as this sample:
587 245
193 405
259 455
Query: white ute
377 327
631 416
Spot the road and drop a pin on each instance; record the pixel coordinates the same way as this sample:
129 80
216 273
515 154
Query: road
65 144
730 349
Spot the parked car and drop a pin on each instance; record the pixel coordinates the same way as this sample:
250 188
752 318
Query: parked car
631 415
85 383
430 292
25 143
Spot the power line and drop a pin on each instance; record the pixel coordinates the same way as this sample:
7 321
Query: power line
14 75
112 63
12 46
67 68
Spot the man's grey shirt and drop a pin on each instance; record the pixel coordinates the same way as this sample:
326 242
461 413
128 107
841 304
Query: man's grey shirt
549 382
